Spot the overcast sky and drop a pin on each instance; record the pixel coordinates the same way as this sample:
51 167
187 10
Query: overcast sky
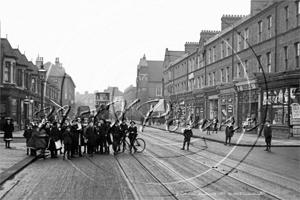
100 42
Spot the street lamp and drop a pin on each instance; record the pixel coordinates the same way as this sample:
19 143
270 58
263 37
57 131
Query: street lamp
42 75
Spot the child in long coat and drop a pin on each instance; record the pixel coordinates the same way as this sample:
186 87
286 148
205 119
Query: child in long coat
27 134
67 139
8 129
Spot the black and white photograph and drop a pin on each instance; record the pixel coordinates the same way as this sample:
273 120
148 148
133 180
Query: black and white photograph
149 99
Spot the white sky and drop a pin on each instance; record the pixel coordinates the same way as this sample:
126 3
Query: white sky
100 42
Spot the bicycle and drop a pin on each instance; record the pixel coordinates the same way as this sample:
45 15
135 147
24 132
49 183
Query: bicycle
139 144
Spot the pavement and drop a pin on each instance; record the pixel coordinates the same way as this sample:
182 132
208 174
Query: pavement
15 159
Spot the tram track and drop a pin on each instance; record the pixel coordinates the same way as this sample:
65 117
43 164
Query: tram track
201 163
229 159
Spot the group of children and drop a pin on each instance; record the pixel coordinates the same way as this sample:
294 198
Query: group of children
76 135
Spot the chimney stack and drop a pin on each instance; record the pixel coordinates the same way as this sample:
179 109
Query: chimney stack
39 61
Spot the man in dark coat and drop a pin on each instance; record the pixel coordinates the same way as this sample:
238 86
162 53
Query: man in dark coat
124 129
268 135
229 133
116 132
8 129
188 133
90 135
102 128
54 137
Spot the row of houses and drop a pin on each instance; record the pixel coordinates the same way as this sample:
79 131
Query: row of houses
20 85
248 69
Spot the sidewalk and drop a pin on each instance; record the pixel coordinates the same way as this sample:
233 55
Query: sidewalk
238 139
13 160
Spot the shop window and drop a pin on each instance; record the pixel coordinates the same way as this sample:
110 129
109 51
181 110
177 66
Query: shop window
226 102
248 106
277 102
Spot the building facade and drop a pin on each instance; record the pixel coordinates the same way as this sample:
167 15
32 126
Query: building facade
148 82
129 97
57 74
237 67
21 87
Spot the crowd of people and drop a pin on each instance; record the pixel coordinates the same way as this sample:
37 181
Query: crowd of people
79 137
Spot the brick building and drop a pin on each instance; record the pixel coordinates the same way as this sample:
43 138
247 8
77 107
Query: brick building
130 96
57 74
20 86
148 82
237 66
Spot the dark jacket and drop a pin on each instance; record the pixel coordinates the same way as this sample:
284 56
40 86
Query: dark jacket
27 134
90 134
268 131
116 132
67 138
132 131
8 130
229 131
124 128
188 133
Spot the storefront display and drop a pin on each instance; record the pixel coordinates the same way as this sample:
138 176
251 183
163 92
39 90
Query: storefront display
226 106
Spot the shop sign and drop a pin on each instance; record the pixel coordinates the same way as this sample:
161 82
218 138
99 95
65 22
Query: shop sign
295 113
230 108
247 87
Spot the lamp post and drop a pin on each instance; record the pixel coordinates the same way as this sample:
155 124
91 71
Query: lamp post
42 75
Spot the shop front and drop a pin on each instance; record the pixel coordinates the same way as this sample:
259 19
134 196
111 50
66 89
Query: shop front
280 102
248 104
212 102
199 106
190 106
13 106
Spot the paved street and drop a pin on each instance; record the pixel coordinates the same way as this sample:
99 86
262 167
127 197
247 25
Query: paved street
209 170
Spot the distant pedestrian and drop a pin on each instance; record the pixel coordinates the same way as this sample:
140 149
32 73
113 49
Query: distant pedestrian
268 135
67 139
188 133
27 134
8 129
229 131
215 124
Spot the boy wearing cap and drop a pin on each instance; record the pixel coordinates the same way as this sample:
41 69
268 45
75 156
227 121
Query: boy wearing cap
67 139
132 130
268 135
188 133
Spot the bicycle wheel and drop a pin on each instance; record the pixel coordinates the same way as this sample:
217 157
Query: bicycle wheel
140 145
124 145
